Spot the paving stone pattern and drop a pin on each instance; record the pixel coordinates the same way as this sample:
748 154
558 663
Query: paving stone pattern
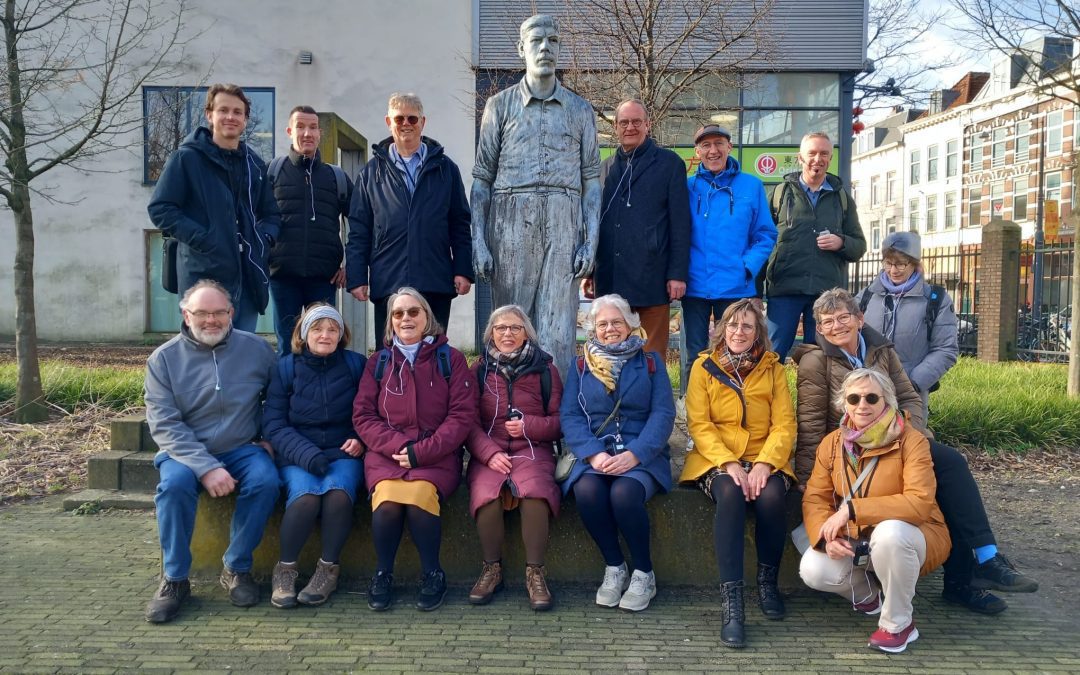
72 591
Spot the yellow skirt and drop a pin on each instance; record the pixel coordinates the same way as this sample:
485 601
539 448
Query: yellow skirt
412 492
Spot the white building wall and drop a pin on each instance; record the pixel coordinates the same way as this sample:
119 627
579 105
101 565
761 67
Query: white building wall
90 266
865 168
937 130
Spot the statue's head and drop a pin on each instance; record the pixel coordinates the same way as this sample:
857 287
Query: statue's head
538 44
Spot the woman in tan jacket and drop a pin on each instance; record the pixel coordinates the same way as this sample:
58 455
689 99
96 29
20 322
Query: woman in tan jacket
739 413
870 513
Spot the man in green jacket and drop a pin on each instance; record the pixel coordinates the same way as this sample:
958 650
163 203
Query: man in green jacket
819 233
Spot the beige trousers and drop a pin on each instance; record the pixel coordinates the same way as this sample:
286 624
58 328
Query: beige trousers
897 551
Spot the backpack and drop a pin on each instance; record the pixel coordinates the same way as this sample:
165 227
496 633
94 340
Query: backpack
934 295
545 384
339 177
780 191
442 357
287 368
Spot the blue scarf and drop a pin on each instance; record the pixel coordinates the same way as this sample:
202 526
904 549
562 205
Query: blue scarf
858 359
897 292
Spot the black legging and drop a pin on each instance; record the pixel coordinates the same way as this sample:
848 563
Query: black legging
612 504
387 525
730 521
962 505
336 510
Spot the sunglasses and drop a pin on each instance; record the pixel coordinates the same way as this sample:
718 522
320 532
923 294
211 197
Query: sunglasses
413 312
853 399
401 119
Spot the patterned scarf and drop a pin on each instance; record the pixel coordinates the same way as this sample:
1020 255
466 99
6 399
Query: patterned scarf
606 361
513 364
738 366
879 433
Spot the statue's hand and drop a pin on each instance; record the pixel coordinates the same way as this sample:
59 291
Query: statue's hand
583 260
483 265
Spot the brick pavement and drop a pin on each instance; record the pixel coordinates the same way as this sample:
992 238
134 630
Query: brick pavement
72 591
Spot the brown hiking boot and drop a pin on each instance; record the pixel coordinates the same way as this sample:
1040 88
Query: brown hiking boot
536 584
284 595
243 591
323 583
166 602
489 582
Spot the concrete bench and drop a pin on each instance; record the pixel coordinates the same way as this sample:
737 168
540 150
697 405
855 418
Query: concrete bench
681 524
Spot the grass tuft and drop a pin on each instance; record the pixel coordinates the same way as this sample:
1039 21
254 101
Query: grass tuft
71 387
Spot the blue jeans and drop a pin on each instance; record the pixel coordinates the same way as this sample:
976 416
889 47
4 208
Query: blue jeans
291 295
695 312
783 313
178 497
245 313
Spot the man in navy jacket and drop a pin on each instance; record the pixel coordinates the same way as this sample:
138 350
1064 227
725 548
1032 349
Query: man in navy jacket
213 198
644 248
409 222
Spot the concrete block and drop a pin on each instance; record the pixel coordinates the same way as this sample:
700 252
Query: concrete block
103 470
682 544
131 434
110 499
137 473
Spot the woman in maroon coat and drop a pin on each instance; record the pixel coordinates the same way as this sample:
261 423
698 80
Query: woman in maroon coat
512 462
413 414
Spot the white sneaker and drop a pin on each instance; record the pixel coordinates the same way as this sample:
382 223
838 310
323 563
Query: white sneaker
616 579
642 590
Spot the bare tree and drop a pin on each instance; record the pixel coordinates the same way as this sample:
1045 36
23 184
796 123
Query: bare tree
1042 38
671 54
73 75
898 32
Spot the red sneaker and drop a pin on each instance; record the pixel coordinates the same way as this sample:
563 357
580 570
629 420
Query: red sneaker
870 607
893 643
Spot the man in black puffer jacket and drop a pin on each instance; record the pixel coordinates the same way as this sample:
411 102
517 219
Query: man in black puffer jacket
306 261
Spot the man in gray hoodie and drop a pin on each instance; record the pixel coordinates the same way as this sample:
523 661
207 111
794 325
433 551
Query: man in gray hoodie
204 391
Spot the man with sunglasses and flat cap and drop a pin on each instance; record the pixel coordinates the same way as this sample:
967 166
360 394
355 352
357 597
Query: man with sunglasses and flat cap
731 236
409 221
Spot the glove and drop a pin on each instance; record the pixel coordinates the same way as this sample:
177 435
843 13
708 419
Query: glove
319 465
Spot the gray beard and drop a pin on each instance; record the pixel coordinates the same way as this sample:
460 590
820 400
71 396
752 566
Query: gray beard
208 339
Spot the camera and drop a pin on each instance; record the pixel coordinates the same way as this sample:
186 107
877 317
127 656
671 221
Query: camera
514 414
862 552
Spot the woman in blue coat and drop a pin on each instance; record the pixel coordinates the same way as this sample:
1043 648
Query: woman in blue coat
617 413
308 421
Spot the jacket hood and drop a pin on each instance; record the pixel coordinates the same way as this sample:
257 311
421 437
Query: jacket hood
202 140
382 149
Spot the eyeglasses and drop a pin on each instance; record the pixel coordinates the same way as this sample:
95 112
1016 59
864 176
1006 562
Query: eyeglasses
413 312
739 327
853 399
617 324
838 320
201 315
898 266
401 119
513 330
622 124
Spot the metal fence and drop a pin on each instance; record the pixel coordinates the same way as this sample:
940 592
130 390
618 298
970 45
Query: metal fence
1043 334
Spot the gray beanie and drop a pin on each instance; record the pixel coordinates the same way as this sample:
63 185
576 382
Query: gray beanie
907 243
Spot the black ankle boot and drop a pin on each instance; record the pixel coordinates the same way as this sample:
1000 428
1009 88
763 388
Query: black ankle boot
733 634
769 599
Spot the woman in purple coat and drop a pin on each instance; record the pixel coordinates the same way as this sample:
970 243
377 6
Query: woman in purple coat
511 450
415 407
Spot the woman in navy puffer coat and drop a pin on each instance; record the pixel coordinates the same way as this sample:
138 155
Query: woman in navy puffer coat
308 421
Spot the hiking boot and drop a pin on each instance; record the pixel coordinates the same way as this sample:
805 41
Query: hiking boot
165 604
870 607
616 579
642 589
975 599
380 592
893 643
323 583
490 581
733 633
284 585
536 584
243 591
769 599
1000 574
432 591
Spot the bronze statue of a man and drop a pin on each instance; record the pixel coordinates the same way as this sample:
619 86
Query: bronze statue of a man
536 193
